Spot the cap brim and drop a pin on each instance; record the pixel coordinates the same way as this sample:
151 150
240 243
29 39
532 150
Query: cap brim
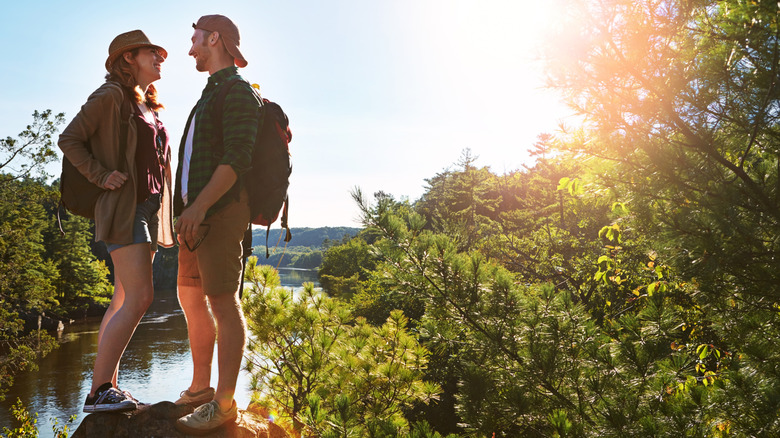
235 52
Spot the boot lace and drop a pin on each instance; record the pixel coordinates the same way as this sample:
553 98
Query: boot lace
206 412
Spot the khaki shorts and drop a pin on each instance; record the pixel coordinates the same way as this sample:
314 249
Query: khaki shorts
215 265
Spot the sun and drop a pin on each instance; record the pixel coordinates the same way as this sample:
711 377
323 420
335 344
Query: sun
480 61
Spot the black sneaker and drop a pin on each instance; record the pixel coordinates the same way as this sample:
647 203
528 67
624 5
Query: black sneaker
108 399
130 396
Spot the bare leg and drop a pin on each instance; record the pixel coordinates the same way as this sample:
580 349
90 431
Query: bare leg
116 303
133 272
231 330
201 332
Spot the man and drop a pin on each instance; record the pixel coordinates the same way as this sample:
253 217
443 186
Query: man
213 215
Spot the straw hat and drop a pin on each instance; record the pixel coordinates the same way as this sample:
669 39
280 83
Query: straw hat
128 41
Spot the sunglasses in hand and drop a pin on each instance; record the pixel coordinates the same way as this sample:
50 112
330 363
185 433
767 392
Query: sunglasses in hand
203 231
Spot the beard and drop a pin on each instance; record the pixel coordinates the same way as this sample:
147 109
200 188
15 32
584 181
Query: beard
200 64
203 57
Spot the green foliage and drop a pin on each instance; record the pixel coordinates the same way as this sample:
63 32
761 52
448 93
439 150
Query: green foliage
474 314
301 257
543 361
314 238
26 421
82 277
26 155
28 276
462 203
26 424
20 351
307 246
682 101
627 283
41 271
683 97
345 266
307 260
330 374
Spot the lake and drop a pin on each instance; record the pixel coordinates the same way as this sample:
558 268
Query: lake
156 366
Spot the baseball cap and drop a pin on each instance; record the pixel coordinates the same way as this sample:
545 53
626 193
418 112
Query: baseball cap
227 31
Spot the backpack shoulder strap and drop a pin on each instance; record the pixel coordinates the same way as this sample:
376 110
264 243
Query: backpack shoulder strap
219 105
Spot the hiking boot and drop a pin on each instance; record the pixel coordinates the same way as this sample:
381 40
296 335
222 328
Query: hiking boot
206 418
195 399
108 399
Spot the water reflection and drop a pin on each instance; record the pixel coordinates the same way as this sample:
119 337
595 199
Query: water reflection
156 365
292 277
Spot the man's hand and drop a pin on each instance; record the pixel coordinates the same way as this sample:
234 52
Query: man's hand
188 225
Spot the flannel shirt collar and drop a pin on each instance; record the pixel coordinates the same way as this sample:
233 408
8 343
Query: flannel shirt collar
221 76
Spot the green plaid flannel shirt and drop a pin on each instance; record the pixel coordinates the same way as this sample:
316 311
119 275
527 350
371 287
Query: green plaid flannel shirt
239 128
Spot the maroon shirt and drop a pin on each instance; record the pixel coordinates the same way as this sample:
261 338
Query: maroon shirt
150 156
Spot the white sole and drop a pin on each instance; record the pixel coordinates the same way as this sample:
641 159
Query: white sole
116 407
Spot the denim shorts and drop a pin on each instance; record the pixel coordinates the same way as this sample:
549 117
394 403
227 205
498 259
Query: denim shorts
144 225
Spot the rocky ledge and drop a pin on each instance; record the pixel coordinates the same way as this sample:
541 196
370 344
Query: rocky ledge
158 420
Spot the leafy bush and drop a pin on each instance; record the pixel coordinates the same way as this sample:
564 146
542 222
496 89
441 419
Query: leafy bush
329 373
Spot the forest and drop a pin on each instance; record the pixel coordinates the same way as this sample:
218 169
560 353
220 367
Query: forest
625 284
46 270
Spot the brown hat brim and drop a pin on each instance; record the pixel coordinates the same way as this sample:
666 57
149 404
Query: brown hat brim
116 54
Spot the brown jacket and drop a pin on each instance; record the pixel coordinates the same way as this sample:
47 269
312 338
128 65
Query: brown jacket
98 121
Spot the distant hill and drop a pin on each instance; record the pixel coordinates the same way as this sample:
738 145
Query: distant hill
304 250
308 237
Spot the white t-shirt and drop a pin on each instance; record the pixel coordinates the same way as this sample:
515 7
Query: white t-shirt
185 170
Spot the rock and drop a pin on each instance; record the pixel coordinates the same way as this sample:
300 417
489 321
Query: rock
158 421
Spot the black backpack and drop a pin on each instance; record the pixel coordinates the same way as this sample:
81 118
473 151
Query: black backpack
77 194
269 177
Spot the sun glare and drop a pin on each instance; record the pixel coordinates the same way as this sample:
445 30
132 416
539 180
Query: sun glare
487 54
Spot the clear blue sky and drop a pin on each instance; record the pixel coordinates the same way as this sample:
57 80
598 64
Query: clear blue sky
381 94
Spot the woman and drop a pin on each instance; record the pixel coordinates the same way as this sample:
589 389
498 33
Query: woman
133 216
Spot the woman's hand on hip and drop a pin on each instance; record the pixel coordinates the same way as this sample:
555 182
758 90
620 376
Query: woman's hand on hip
115 180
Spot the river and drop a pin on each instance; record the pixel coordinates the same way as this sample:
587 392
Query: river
156 366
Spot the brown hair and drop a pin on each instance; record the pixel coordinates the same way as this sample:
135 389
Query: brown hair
123 75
